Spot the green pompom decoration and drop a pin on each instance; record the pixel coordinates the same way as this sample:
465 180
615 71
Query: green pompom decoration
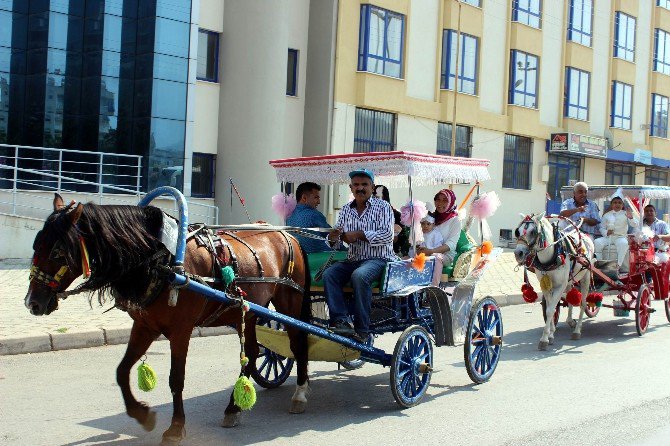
244 361
244 394
228 275
146 377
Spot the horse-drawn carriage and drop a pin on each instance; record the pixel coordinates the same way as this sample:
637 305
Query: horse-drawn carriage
563 258
124 251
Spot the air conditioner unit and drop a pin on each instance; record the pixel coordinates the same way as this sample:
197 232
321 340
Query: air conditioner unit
644 126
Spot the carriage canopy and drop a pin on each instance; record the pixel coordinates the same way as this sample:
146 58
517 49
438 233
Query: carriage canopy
395 167
632 191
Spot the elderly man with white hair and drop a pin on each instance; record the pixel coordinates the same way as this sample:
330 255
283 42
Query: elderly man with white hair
579 207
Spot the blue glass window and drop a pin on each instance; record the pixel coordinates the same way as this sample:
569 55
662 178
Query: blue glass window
663 3
168 100
380 41
292 73
463 139
655 177
208 56
174 9
111 37
517 162
580 24
467 65
619 173
528 12
374 131
203 175
477 3
662 51
170 68
5 58
659 116
523 79
172 38
576 103
5 28
624 36
622 105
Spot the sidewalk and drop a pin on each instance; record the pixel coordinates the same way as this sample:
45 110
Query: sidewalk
77 324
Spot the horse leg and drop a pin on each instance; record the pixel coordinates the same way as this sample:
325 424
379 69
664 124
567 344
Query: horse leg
141 338
298 339
551 298
570 320
179 341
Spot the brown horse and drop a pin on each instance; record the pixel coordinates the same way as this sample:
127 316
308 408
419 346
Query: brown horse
125 260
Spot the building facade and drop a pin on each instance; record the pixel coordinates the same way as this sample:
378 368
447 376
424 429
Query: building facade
208 91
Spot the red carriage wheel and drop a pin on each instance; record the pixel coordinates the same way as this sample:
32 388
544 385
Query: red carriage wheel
667 307
642 307
557 313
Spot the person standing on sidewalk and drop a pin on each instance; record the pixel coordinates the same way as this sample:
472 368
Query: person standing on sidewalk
579 207
366 224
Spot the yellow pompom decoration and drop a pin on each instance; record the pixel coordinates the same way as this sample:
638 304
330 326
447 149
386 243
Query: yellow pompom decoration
244 361
244 393
545 283
146 377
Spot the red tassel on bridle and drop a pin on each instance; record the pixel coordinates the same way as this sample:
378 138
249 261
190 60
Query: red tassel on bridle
527 291
574 297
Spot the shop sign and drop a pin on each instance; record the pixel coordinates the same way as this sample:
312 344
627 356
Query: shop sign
584 145
642 156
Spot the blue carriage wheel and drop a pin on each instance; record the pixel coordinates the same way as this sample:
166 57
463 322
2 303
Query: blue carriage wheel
357 363
411 366
483 340
272 369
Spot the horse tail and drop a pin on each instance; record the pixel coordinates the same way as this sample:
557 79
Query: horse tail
306 308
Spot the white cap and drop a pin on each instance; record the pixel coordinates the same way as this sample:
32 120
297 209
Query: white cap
429 219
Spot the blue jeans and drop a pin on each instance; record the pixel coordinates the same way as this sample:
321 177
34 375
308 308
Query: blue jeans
361 274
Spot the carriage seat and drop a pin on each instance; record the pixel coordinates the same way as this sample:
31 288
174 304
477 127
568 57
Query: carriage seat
460 267
317 260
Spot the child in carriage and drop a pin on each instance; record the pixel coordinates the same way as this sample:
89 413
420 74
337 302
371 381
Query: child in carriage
614 229
432 238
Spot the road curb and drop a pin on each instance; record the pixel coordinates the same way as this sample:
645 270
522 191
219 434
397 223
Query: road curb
77 339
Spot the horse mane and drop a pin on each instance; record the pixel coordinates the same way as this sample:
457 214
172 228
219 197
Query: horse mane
121 241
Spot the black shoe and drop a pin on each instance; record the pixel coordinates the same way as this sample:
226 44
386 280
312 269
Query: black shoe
361 337
342 327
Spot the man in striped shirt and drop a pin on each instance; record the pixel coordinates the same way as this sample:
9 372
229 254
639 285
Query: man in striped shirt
366 224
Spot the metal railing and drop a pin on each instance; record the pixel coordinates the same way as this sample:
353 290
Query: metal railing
29 176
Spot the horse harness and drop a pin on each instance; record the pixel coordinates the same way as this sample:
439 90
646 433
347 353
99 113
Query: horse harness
565 247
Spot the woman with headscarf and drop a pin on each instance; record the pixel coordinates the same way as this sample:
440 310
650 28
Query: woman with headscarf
447 222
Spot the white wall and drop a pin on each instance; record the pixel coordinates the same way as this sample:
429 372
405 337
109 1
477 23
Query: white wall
294 115
643 43
416 134
553 39
493 57
344 124
206 125
602 43
422 44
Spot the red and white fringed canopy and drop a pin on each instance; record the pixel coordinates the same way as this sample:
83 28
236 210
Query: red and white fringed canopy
394 167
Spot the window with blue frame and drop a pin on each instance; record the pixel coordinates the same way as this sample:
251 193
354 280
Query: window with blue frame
374 131
517 162
576 103
467 65
463 139
618 173
523 79
655 177
528 12
659 116
580 24
203 175
380 41
208 56
663 3
292 73
622 105
477 3
662 51
624 36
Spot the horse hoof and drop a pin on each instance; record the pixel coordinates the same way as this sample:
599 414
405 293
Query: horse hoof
149 422
551 341
231 419
174 435
572 323
542 345
297 406
576 336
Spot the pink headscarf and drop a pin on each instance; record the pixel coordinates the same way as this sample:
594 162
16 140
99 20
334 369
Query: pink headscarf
441 217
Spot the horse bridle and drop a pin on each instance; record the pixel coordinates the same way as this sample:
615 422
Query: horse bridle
54 282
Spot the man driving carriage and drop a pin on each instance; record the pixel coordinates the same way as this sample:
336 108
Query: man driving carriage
579 207
366 224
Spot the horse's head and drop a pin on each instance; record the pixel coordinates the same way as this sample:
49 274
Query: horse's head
56 260
527 234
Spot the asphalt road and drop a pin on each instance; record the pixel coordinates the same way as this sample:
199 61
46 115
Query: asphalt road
610 388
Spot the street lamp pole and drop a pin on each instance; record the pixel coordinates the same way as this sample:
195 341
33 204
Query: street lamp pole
458 49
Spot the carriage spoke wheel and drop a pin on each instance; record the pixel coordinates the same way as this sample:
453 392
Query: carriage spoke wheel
557 312
483 340
411 366
272 369
642 307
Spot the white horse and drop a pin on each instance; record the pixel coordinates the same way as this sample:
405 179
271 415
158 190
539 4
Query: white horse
537 245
